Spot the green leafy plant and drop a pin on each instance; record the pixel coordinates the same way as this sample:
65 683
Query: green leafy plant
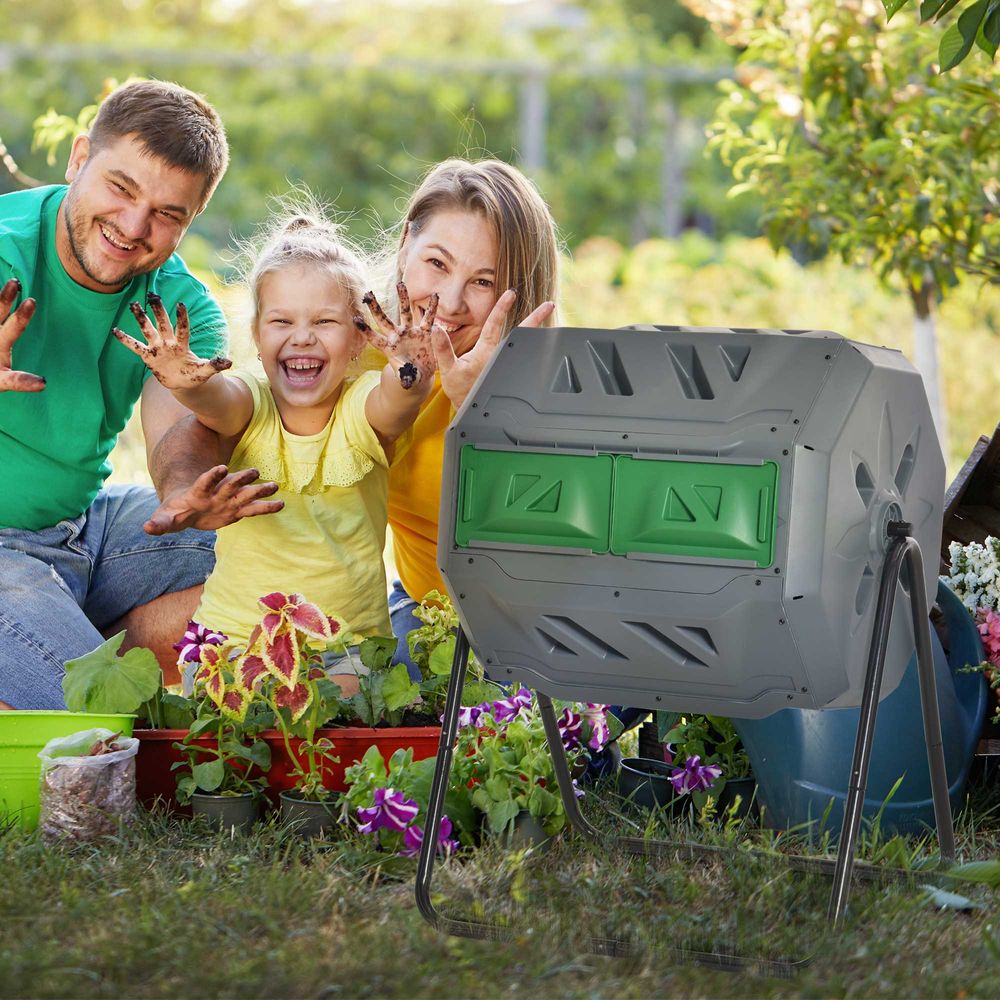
432 648
102 681
502 767
978 23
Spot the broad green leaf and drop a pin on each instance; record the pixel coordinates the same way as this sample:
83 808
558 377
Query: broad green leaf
501 814
361 706
891 6
957 41
944 8
988 35
665 722
185 786
260 753
398 690
442 656
102 682
208 776
949 900
377 652
177 711
199 726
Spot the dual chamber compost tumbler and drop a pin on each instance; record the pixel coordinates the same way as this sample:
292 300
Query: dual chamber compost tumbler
701 519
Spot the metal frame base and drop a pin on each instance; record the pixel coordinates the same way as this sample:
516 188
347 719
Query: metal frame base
901 547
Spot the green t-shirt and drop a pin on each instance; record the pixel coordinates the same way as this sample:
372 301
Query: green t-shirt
54 444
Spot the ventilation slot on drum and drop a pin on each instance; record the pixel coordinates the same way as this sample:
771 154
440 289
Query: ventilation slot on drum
690 373
666 646
566 378
865 484
610 369
905 469
572 631
734 357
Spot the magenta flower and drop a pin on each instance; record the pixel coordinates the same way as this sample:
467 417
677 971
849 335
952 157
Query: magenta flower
570 729
196 636
392 811
597 716
414 837
988 623
694 776
508 708
469 715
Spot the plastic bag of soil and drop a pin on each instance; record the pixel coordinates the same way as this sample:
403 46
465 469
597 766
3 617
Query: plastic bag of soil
88 785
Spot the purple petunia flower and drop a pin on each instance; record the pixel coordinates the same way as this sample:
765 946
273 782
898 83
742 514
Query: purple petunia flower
597 716
196 636
392 811
570 729
694 776
414 837
507 708
469 715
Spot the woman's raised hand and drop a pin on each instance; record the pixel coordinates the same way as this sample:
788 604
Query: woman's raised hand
12 325
458 374
407 347
166 352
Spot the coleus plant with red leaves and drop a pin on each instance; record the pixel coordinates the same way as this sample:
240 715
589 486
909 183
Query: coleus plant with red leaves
279 669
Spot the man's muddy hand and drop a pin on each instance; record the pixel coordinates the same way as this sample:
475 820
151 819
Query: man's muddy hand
12 325
215 499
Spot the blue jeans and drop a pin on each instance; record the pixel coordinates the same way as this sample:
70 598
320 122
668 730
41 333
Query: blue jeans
401 608
60 586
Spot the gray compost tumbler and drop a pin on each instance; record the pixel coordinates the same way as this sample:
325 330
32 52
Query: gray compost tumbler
693 518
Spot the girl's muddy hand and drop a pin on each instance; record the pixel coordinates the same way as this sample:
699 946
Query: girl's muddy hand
12 325
166 352
406 346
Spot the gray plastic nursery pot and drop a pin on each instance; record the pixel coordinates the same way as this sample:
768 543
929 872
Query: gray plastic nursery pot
645 781
309 817
228 812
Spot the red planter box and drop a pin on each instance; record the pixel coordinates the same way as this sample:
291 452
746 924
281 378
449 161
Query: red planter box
153 777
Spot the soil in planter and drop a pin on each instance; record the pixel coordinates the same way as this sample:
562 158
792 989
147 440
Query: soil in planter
410 718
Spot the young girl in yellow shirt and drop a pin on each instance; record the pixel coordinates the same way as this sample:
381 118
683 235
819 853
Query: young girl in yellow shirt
324 435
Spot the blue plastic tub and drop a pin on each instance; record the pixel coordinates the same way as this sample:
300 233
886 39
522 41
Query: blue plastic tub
802 759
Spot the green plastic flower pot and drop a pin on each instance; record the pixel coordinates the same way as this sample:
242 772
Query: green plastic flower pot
22 736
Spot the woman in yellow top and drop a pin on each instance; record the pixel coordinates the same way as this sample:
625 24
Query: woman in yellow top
478 239
324 437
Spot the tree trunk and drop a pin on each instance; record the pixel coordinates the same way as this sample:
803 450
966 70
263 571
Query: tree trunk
925 356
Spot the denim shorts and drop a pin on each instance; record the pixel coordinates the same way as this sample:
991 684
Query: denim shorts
60 586
401 608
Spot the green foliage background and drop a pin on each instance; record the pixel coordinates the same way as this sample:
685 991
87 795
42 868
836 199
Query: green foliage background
356 101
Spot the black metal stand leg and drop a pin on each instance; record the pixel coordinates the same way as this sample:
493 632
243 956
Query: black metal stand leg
929 705
435 807
561 767
902 546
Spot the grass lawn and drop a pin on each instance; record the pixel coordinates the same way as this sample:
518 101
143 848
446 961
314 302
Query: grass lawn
171 909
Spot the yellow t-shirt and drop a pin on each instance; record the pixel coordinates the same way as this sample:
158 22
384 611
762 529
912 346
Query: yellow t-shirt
415 497
327 541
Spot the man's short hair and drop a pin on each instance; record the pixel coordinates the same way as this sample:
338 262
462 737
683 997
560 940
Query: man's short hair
171 122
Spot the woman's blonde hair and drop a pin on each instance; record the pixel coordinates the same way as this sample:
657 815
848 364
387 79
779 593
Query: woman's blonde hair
528 251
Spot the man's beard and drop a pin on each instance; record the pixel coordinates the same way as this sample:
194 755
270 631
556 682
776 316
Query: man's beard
78 230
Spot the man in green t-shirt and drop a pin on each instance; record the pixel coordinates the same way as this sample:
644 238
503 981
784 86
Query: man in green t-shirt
75 261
